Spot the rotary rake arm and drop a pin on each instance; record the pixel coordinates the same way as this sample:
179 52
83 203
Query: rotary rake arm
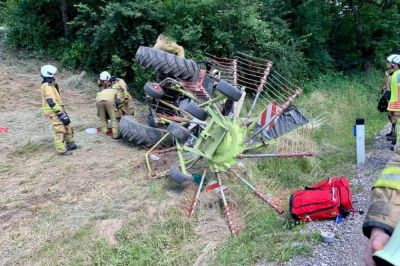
271 122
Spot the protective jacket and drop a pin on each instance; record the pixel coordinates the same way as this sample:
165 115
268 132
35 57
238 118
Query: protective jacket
106 102
108 94
50 93
394 103
122 88
166 45
384 211
52 108
126 98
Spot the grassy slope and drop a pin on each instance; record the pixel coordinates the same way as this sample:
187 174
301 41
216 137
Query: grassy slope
51 210
266 236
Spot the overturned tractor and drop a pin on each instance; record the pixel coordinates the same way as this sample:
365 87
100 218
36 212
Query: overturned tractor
214 121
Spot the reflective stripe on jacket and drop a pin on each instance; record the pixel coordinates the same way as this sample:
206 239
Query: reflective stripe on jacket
49 90
390 178
394 103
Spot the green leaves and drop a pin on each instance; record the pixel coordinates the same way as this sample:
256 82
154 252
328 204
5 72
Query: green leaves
302 38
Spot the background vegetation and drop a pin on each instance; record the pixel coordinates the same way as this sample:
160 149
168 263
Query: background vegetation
303 37
332 48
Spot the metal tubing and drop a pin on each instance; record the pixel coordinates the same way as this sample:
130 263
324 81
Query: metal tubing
194 204
180 157
227 212
266 199
152 148
269 155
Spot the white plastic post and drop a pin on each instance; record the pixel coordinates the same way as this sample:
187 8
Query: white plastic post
360 144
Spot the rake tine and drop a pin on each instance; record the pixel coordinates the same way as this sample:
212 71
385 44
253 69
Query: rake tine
267 200
227 211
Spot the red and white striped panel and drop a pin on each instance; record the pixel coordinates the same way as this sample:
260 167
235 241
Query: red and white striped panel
269 114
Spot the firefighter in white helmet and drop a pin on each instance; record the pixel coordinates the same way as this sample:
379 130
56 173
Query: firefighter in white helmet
125 105
54 109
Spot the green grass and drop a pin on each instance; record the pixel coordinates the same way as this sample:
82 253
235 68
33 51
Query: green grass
163 243
171 239
341 99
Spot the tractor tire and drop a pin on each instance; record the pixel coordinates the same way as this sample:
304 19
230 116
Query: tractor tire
229 90
153 90
168 64
179 132
136 131
196 111
178 177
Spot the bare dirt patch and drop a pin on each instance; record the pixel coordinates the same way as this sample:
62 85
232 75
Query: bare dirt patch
52 206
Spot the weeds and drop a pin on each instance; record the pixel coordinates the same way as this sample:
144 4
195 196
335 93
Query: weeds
60 229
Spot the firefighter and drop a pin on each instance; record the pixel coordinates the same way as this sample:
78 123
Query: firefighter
166 44
54 109
384 211
126 107
107 102
385 92
394 102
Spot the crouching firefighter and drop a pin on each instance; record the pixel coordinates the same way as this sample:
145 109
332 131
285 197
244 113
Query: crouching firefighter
126 107
54 109
107 102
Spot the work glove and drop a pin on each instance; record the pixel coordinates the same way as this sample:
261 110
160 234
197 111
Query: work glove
64 118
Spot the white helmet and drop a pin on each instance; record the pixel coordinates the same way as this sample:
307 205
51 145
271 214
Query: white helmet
390 58
396 59
48 71
104 76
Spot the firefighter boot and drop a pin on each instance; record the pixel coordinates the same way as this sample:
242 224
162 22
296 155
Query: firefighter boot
72 146
67 152
392 134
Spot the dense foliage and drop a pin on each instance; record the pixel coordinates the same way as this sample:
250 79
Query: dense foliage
302 37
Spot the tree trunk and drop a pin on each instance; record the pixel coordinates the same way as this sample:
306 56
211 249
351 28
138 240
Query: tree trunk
64 15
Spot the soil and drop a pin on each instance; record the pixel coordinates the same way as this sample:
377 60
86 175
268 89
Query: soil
47 200
44 196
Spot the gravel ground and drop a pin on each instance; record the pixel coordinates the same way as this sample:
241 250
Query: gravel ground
349 245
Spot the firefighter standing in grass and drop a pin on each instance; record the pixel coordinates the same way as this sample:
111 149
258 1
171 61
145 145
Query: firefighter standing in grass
126 107
107 102
54 109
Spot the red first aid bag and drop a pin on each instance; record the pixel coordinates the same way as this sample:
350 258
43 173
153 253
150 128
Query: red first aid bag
321 201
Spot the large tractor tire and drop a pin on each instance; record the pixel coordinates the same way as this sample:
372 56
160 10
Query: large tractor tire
136 131
168 64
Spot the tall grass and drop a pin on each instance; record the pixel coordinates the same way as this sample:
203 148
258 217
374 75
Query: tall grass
172 240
